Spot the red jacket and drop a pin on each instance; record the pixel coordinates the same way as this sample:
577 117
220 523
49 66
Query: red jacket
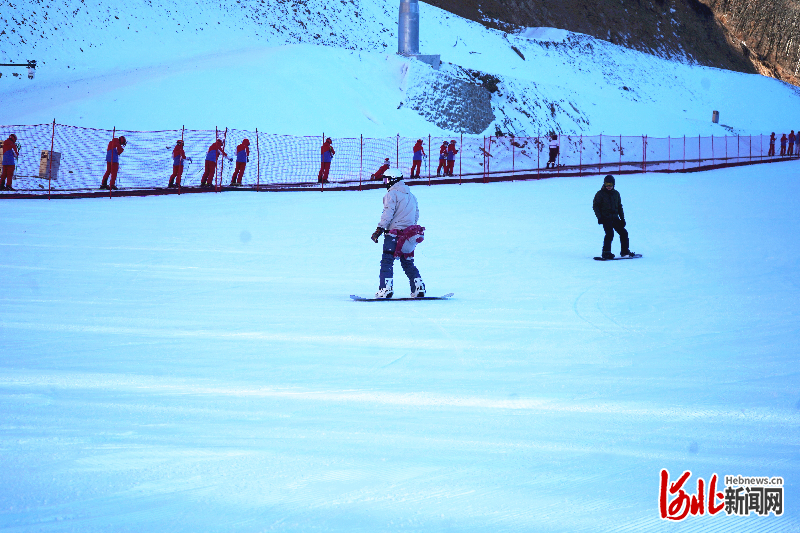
8 144
327 147
217 146
379 173
245 147
178 152
115 144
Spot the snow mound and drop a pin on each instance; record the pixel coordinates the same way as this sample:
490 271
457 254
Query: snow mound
553 35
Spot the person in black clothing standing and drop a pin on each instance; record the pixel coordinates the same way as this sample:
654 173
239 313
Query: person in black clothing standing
608 209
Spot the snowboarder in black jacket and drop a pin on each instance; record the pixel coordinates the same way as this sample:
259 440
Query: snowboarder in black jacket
608 209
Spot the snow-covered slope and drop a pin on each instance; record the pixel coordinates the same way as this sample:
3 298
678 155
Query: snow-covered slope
194 364
307 67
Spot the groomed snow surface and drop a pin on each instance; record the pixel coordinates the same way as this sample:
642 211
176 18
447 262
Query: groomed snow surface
193 363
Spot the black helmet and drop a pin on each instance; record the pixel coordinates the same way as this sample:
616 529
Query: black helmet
122 140
393 175
609 179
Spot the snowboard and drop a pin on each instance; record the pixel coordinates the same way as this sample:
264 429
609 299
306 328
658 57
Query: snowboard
635 256
362 299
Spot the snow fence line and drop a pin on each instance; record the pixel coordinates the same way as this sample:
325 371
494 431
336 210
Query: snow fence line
64 161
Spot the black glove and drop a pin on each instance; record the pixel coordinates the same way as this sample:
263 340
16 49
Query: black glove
377 234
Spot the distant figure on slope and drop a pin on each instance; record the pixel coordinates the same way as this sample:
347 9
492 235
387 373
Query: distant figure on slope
607 207
791 143
419 152
783 144
554 150
771 144
326 154
115 148
401 235
10 155
211 163
378 176
242 158
442 159
451 158
178 157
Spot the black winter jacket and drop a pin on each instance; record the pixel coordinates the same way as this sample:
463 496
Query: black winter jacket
608 204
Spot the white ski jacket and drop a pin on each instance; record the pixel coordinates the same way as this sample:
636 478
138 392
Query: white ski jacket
399 208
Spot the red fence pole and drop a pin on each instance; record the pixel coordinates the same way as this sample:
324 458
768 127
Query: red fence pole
258 163
113 134
360 161
644 153
222 167
600 155
50 161
460 152
488 160
538 156
484 159
669 153
429 159
699 153
183 127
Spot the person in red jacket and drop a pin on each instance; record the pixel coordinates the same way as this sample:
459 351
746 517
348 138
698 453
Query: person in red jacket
442 159
211 163
791 143
379 174
771 150
178 157
419 153
115 148
10 155
451 158
326 153
242 158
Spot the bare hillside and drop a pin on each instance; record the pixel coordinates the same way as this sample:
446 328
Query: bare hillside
709 32
767 32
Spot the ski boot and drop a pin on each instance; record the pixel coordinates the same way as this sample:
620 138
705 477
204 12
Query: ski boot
419 289
386 291
608 255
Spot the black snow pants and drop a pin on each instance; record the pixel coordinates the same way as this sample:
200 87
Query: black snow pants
611 224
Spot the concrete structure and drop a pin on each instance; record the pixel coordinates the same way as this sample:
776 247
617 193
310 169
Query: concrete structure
408 34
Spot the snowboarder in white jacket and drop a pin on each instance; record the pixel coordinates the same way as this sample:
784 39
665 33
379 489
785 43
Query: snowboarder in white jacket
399 223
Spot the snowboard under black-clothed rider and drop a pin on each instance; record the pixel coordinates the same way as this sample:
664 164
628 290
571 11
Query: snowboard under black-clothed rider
607 207
401 234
